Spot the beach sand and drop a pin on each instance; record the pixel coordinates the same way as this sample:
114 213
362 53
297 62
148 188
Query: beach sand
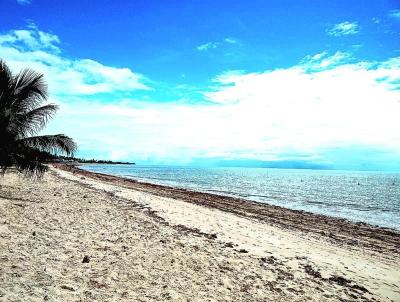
81 236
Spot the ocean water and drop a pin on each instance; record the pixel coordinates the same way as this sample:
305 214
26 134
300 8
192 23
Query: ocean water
372 197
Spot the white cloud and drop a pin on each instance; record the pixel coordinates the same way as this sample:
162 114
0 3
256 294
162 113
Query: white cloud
323 61
231 40
41 51
298 112
302 110
214 45
395 13
376 20
207 46
31 39
344 29
24 2
325 102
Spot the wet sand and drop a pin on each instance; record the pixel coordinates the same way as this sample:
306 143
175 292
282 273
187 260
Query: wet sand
147 242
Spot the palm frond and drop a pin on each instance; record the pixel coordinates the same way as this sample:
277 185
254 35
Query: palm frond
53 144
33 121
6 160
6 81
20 116
30 90
30 166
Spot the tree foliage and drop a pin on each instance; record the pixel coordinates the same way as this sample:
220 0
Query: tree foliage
23 115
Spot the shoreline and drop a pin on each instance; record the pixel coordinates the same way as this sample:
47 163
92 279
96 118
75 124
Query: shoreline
76 235
336 230
238 196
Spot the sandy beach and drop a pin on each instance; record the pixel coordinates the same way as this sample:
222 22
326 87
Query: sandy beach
81 236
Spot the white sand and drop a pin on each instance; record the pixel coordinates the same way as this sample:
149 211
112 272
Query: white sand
139 250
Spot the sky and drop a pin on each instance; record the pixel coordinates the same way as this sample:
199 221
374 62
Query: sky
303 83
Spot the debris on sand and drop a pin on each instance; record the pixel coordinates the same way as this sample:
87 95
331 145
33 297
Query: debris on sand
86 259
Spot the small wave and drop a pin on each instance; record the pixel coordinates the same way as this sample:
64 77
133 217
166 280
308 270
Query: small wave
326 192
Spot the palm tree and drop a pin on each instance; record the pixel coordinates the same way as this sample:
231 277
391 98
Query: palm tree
22 116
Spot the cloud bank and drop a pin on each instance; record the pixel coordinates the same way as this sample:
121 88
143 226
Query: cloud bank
312 111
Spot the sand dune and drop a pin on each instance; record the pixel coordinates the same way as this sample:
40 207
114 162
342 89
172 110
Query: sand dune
71 237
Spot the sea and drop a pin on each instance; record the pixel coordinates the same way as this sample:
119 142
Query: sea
371 197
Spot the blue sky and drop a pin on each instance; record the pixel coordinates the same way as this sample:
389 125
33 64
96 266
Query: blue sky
191 81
